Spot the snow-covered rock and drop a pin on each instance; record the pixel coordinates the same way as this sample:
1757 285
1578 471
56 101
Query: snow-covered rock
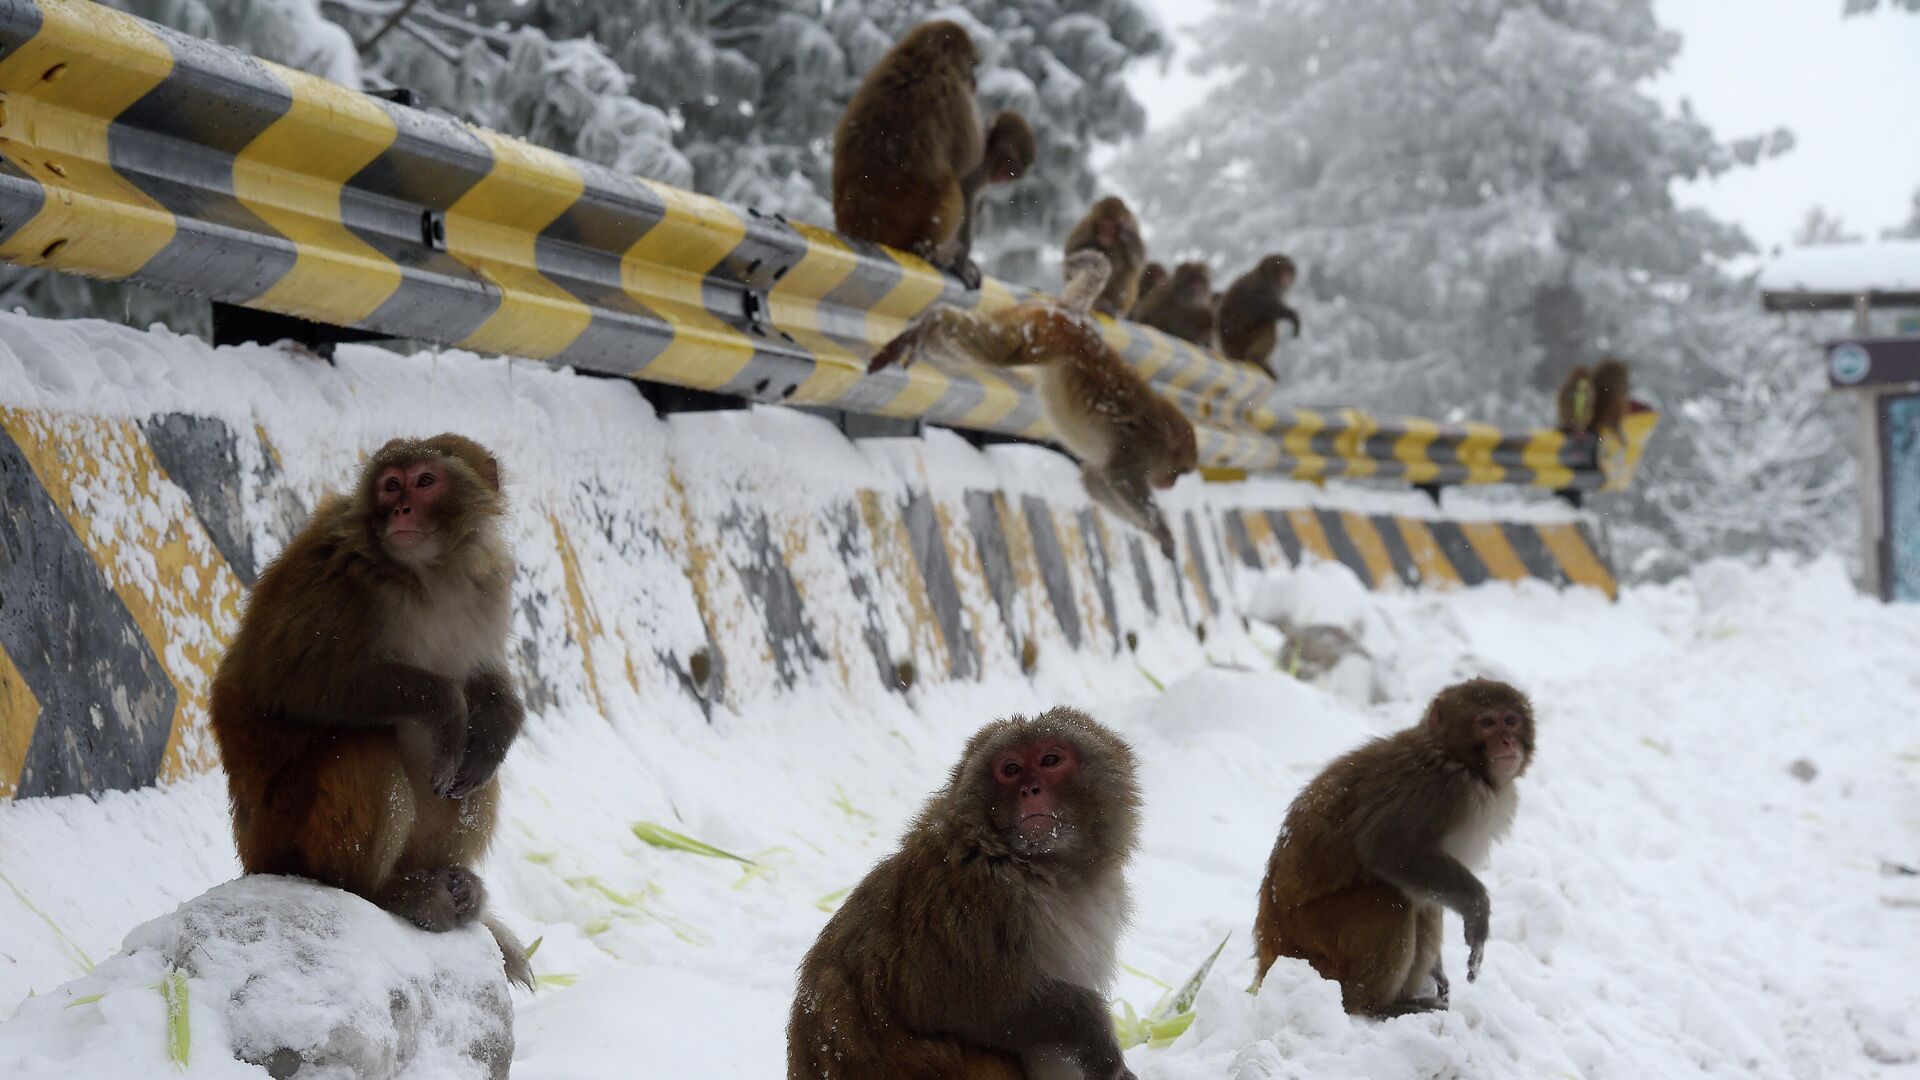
283 977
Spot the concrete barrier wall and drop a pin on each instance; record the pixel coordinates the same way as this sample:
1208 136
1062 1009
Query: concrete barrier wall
702 566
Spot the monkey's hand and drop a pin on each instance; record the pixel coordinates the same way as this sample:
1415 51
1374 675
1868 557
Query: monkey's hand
494 716
1440 984
448 734
893 352
1476 940
968 272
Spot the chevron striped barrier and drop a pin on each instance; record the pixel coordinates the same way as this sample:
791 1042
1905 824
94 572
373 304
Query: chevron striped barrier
130 151
685 570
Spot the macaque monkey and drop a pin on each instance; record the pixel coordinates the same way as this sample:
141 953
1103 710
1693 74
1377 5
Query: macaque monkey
1253 308
1182 305
1010 150
1151 276
1573 402
1112 230
909 155
1386 837
1611 398
983 947
1594 402
364 704
1127 437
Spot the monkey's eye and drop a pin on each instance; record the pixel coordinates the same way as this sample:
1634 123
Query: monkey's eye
1487 722
1513 720
1049 759
1011 768
425 481
392 484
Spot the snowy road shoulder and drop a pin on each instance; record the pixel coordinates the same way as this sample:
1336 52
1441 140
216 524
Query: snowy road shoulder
1673 900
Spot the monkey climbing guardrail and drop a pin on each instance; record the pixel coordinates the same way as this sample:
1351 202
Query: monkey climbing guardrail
130 151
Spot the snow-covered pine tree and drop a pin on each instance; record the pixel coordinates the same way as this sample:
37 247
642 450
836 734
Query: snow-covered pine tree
1487 180
1760 457
1480 195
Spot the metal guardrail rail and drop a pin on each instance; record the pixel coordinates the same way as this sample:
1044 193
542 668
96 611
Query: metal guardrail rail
131 151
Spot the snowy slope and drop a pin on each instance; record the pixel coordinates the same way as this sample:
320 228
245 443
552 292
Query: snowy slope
1671 903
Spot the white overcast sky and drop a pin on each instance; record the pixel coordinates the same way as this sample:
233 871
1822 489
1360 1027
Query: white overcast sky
1849 89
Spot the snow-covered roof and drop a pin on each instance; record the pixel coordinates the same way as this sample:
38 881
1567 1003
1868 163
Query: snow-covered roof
1845 270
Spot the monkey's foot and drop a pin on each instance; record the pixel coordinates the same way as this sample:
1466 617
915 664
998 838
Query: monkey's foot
899 352
438 900
888 355
968 272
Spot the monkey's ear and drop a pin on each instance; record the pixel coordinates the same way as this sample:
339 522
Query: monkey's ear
477 457
489 469
1432 719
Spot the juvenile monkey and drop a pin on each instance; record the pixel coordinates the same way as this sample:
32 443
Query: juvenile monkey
1384 838
909 155
1612 399
1127 437
1111 229
1182 305
983 947
364 704
1252 310
1010 150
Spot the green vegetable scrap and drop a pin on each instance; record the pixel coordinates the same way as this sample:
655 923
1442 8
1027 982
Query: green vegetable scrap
1171 1016
173 990
662 837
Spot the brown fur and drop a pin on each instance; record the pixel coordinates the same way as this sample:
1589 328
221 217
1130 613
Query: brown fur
909 154
1368 855
1126 253
1252 309
1151 277
1128 438
1010 150
1182 305
1611 396
971 949
1573 402
364 703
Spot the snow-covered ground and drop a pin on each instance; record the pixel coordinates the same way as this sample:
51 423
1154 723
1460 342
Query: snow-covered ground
1673 902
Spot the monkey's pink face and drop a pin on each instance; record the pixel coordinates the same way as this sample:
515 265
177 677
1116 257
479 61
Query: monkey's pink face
1037 774
1501 732
406 496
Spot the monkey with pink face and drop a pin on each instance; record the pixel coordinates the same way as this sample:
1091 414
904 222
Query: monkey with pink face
982 949
1385 839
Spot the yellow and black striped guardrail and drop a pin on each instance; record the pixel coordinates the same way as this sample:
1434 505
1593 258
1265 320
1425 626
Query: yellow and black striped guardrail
131 151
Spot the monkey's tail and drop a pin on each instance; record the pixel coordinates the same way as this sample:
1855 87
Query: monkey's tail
519 968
